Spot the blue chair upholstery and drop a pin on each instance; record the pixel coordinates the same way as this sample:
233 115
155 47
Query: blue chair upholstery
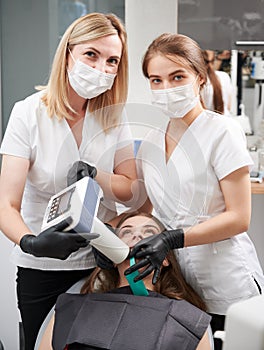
136 146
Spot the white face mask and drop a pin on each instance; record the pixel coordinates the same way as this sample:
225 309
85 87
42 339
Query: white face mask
89 82
176 102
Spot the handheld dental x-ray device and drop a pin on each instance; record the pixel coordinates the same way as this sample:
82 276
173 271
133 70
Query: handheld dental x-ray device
80 201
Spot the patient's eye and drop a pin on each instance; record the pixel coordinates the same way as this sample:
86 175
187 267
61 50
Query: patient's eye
150 231
125 232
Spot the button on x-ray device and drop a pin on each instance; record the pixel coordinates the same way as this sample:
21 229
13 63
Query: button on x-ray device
80 201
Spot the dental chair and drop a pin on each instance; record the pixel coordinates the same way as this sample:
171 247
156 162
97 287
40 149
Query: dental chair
75 289
244 325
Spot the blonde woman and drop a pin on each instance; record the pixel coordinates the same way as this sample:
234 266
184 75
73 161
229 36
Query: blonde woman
77 117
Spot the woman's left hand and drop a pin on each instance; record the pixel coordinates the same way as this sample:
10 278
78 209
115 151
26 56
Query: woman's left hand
79 170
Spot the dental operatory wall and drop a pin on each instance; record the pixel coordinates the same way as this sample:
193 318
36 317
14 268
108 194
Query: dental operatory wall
155 20
25 52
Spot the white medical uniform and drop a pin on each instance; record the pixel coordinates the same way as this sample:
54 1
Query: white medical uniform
226 88
185 191
51 148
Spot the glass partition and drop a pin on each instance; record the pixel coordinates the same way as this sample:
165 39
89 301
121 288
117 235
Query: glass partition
226 24
30 32
69 10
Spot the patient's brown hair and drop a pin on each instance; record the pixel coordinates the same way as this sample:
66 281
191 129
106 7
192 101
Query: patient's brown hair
171 282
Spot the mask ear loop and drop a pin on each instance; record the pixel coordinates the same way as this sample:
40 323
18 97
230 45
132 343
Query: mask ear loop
199 86
138 288
74 60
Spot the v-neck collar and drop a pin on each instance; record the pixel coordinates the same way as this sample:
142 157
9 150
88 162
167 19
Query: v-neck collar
185 134
72 135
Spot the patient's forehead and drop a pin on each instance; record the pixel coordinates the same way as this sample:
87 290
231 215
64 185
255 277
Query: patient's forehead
140 221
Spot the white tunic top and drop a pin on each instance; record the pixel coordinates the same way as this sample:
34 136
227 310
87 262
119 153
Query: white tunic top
185 191
51 148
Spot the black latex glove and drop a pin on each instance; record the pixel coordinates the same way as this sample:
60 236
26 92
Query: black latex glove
101 260
79 170
53 243
153 250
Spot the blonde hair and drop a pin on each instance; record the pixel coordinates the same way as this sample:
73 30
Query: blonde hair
107 107
177 48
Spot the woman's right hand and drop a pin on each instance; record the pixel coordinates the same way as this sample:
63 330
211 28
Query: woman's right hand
54 243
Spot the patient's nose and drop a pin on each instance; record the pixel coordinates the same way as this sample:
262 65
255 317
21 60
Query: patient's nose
137 236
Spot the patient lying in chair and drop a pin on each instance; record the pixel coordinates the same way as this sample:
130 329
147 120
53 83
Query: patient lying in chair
107 315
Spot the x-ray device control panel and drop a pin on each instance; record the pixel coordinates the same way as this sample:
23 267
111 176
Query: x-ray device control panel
80 201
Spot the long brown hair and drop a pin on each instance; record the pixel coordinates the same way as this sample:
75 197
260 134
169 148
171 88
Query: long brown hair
177 48
171 282
218 102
